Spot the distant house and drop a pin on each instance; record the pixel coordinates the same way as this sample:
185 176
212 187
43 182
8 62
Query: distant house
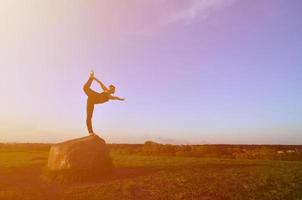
280 152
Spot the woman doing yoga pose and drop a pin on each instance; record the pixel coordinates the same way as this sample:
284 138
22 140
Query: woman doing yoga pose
97 98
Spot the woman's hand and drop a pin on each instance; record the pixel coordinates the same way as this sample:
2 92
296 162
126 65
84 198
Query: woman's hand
91 73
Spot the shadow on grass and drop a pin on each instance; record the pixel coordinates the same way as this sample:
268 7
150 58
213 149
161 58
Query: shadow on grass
38 175
93 176
123 173
129 172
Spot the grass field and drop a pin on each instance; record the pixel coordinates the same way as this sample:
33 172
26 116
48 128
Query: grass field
155 177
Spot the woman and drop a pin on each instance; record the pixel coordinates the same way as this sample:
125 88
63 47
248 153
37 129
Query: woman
97 98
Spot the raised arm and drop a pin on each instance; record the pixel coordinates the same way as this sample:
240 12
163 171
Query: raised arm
101 84
116 98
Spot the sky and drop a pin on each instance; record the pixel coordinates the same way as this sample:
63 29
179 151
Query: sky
192 72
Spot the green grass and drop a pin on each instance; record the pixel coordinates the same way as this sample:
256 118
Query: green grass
13 159
156 177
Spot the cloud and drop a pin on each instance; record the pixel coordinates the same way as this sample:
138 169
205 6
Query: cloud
197 9
175 12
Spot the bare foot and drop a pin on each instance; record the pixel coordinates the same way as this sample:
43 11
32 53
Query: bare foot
93 134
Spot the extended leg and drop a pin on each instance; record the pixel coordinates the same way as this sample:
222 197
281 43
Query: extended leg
90 108
87 85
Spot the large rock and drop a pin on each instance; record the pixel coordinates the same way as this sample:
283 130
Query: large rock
81 158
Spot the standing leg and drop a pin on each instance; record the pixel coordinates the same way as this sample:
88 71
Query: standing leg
90 108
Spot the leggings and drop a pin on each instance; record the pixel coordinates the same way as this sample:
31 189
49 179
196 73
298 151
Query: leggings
90 103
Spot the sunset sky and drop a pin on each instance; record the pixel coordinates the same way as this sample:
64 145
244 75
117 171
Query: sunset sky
194 71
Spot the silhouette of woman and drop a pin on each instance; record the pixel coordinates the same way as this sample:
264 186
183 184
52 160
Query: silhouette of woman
97 98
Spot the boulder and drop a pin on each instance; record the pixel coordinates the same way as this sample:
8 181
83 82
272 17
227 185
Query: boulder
82 158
